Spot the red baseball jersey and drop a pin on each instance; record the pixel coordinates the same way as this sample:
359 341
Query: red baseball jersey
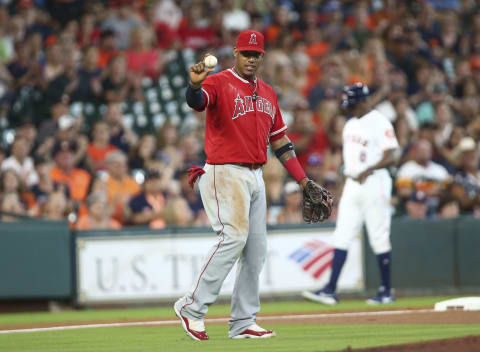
242 119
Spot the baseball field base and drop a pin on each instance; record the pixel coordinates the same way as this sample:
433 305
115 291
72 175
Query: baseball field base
463 303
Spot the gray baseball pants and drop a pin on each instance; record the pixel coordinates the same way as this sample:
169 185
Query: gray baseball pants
234 200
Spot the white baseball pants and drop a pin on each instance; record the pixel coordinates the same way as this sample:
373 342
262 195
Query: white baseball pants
370 203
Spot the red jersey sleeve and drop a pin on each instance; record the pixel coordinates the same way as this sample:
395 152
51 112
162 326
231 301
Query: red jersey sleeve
209 90
279 128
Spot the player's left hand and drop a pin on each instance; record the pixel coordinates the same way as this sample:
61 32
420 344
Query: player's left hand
363 175
317 203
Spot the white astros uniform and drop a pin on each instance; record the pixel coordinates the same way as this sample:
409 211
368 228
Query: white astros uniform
364 141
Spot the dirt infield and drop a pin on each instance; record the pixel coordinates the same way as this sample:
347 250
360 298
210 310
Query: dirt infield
410 316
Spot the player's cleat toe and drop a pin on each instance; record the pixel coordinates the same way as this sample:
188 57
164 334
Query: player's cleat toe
255 332
321 296
195 329
382 297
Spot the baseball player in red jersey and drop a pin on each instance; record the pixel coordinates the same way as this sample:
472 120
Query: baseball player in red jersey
242 118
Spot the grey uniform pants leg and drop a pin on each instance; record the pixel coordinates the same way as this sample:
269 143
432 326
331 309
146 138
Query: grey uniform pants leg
234 200
245 298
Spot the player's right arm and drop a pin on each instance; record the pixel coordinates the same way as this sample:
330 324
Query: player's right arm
194 95
388 142
388 159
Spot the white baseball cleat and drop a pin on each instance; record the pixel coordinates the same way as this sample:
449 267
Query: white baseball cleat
255 332
195 329
321 296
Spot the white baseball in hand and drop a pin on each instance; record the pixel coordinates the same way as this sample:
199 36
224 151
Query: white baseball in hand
210 61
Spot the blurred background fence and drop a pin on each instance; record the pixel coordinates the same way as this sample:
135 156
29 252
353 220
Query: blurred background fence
45 260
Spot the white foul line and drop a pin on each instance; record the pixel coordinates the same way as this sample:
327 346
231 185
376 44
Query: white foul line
217 320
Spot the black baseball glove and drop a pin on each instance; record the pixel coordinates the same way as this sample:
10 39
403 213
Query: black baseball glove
317 203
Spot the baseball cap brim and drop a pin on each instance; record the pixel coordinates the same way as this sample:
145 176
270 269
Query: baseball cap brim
251 48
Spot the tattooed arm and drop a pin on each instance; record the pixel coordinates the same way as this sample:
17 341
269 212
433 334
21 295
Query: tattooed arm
285 152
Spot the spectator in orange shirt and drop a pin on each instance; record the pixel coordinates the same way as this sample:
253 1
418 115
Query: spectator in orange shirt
99 147
98 216
64 171
107 48
281 25
46 185
117 183
148 207
316 46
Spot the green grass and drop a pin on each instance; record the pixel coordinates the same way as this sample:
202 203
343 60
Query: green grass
298 338
302 338
216 309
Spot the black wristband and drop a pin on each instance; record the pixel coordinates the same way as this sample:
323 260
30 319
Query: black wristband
283 149
194 97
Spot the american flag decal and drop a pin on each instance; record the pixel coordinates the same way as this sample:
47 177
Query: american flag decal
314 257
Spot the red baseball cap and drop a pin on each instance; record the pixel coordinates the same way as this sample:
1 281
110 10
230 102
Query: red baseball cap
249 40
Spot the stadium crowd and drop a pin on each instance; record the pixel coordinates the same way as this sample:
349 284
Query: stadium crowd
421 59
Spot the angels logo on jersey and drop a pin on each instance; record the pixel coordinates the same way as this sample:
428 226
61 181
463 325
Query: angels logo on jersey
253 39
242 106
239 107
